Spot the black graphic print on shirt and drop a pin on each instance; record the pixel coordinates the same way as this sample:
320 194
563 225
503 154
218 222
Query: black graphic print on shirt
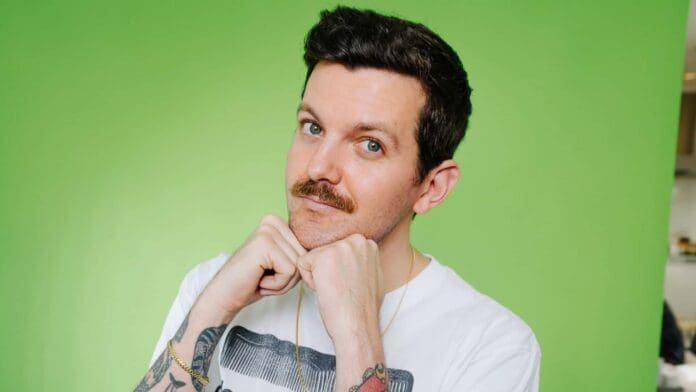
268 358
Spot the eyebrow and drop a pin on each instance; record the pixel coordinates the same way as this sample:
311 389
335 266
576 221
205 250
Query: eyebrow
304 107
362 126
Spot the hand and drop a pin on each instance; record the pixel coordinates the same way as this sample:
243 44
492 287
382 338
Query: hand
347 278
264 265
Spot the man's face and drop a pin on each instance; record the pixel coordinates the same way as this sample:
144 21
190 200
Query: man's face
352 164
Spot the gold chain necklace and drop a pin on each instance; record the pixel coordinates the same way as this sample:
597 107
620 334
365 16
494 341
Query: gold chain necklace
298 365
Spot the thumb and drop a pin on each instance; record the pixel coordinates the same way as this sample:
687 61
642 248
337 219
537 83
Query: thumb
304 266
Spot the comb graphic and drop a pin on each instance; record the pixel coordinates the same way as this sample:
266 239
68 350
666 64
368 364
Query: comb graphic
273 360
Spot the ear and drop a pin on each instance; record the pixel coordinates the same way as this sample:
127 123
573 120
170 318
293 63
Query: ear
436 186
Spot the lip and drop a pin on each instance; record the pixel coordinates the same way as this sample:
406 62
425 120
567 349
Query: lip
315 203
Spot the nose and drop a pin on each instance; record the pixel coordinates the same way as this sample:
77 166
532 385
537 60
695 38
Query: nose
325 163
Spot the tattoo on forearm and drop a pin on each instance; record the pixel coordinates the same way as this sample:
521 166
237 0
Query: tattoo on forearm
162 364
203 352
174 384
156 373
374 380
182 329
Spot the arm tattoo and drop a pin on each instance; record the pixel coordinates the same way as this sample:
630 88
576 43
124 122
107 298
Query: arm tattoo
182 328
162 364
174 384
203 352
374 380
156 372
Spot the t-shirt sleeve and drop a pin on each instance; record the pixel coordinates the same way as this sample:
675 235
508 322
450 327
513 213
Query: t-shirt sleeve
192 285
507 372
508 361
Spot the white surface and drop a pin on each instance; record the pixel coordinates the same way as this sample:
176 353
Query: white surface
682 220
678 376
680 289
680 276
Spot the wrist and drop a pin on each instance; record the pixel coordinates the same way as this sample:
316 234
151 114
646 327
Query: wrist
364 340
210 311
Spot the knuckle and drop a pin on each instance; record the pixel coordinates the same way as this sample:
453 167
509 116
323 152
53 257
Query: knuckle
265 238
303 263
357 237
269 219
344 246
264 228
359 242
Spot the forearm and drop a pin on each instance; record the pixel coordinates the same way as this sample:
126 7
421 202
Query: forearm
360 364
347 279
242 280
194 343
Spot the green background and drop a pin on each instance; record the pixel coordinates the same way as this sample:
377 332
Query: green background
140 138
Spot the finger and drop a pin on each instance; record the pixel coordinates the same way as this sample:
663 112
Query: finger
283 228
304 267
279 283
283 267
293 281
283 243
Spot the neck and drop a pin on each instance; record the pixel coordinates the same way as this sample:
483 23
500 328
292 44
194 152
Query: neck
395 256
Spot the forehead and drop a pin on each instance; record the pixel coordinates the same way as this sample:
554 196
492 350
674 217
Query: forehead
343 97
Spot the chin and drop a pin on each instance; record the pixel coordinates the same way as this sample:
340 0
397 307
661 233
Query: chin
313 235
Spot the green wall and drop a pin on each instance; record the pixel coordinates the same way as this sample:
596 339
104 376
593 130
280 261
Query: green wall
140 138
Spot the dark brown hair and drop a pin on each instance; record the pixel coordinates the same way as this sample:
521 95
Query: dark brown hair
363 38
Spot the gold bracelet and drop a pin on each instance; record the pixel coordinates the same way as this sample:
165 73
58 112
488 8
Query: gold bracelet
203 379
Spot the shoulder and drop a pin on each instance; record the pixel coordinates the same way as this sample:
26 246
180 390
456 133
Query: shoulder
491 348
477 316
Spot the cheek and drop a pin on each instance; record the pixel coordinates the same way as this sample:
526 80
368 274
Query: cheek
295 162
384 193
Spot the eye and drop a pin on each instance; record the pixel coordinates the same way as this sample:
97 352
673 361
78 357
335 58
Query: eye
311 128
371 145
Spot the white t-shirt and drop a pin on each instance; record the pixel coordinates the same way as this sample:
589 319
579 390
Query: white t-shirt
446 337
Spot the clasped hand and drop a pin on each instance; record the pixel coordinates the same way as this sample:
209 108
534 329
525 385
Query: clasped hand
346 276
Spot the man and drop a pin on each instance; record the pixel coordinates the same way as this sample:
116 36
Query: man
337 299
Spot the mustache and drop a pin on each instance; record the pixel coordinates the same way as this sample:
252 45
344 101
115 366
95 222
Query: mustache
325 193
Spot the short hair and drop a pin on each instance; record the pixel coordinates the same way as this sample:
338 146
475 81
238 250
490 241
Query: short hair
364 38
